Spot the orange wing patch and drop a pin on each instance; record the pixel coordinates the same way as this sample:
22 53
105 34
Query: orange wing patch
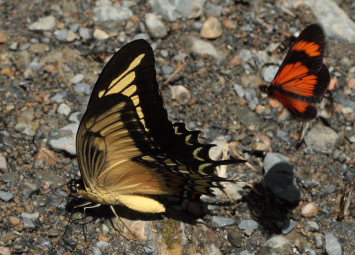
290 72
310 48
304 86
294 105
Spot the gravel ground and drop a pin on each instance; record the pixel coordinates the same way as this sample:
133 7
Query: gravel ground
50 56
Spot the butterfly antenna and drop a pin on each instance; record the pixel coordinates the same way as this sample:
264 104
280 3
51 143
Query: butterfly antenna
258 71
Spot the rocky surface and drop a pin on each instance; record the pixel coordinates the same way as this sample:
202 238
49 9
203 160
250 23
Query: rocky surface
50 56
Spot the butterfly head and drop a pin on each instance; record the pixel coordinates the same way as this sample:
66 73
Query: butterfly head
75 186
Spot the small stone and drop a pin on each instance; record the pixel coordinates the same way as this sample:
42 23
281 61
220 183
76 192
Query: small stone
5 250
277 242
202 47
105 10
14 221
332 245
96 251
102 244
318 238
29 219
43 24
3 163
77 78
100 34
85 33
75 117
167 70
235 239
309 251
3 37
312 226
155 26
211 28
64 138
64 109
180 93
65 35
289 227
59 97
321 138
269 72
222 222
273 158
6 196
82 88
248 226
309 209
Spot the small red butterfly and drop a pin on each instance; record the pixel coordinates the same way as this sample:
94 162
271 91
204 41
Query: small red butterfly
302 79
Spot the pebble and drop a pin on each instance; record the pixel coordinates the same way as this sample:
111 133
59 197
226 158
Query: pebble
59 97
82 88
100 34
77 78
332 245
96 251
43 24
155 26
273 158
64 138
277 242
14 221
5 250
75 117
202 47
309 209
312 226
336 22
64 109
289 227
102 244
105 10
318 238
248 226
6 196
65 35
235 239
25 124
29 219
321 138
180 93
309 251
3 37
178 9
269 72
85 33
222 222
211 28
3 163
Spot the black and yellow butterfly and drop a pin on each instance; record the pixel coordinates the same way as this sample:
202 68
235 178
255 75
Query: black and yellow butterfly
129 153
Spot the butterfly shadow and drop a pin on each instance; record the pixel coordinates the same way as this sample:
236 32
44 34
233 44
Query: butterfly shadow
272 200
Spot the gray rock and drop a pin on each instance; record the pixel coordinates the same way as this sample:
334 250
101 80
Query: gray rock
3 163
321 138
43 24
277 242
85 33
77 78
75 117
82 88
289 227
246 252
222 222
25 124
59 97
96 251
248 226
309 251
202 47
141 36
102 244
167 70
100 34
155 26
235 239
239 89
269 72
336 22
105 10
29 220
273 158
332 245
173 9
318 238
65 35
312 226
6 196
64 138
64 109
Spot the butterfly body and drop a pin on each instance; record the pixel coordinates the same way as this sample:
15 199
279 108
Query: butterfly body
129 153
302 79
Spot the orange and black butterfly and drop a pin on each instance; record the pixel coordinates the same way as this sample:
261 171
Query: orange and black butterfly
302 79
129 153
